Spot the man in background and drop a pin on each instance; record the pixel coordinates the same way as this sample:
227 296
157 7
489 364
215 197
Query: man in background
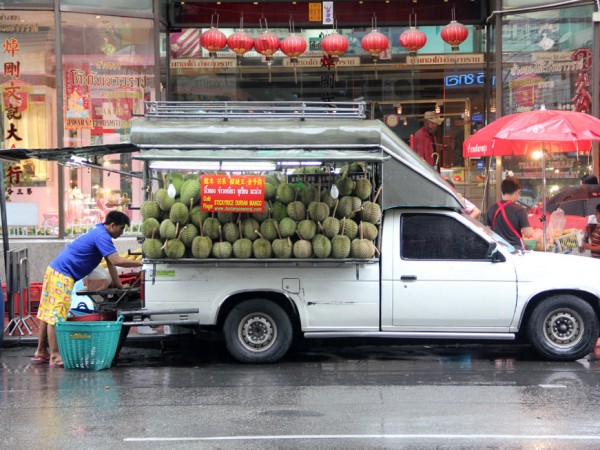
424 140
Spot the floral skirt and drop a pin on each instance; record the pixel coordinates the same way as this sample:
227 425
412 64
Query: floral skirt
55 301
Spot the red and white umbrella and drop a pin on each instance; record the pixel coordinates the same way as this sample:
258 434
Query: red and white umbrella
546 131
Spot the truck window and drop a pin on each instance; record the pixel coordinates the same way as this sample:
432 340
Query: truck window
439 237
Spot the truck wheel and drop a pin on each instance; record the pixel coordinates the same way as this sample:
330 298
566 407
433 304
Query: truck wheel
563 328
258 331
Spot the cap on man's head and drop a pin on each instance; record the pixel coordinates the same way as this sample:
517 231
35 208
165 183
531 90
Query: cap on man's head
433 116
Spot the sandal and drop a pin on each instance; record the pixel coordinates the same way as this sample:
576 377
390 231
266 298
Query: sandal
40 359
59 365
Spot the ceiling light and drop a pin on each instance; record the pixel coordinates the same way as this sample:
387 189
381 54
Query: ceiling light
399 109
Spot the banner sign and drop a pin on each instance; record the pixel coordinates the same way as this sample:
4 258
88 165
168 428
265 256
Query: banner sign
232 193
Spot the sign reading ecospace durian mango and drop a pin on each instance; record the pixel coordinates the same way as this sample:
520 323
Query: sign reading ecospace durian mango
232 193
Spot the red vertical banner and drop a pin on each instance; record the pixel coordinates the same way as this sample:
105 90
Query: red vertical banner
232 193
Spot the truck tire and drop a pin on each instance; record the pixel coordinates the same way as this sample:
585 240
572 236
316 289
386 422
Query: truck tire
563 328
258 331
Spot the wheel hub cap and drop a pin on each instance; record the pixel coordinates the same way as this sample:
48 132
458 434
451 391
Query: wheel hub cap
257 332
563 328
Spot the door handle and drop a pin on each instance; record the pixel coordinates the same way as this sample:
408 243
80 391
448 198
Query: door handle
408 278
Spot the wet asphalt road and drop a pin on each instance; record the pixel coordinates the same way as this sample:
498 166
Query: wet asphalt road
325 395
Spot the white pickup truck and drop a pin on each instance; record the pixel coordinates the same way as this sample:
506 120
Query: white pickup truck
432 273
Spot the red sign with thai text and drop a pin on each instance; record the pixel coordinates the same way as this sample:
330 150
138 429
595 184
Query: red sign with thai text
232 193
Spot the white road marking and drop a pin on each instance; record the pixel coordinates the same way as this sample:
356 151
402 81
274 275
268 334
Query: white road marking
561 437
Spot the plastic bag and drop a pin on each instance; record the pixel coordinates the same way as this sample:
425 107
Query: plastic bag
556 224
98 279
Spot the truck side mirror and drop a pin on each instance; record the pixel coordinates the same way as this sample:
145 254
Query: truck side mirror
492 253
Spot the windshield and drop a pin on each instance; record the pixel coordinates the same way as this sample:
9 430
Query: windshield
488 231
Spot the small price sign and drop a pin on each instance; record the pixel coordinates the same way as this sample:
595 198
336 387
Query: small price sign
232 193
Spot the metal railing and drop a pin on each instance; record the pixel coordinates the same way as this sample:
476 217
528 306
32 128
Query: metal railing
265 110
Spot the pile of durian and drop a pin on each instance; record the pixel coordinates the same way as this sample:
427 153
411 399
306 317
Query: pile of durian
301 220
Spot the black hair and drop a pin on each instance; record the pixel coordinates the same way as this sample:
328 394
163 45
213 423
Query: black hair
116 217
589 179
510 185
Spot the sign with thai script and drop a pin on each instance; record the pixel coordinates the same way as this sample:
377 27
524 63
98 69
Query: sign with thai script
468 58
232 193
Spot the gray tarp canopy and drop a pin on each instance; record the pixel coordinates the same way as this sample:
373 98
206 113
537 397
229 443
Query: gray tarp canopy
407 179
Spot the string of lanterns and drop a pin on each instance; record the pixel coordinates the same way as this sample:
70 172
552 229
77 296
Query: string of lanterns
333 45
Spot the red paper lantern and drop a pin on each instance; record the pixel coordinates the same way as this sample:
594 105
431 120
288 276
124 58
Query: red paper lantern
375 43
454 34
267 44
213 40
293 46
240 43
334 45
413 40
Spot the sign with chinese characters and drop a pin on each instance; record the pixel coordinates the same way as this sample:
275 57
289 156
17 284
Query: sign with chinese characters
232 193
315 12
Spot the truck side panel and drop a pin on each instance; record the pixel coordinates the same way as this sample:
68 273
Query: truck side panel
328 296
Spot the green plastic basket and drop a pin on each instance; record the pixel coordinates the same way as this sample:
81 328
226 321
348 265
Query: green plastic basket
88 345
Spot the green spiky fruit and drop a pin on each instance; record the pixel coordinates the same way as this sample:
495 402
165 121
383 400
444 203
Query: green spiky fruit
210 227
327 198
296 210
283 248
174 249
371 212
261 248
350 228
177 179
163 200
268 229
225 217
262 216
362 249
321 246
279 211
188 234
150 209
331 227
249 228
308 194
152 249
286 193
150 227
348 206
197 216
345 186
340 246
363 188
318 211
190 192
270 191
287 227
242 248
222 250
302 249
307 229
201 247
368 230
231 232
179 213
167 229
272 179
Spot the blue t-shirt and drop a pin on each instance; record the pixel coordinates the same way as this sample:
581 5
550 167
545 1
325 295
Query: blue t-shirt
82 255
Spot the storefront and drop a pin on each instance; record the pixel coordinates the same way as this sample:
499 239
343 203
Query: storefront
74 74
72 78
547 52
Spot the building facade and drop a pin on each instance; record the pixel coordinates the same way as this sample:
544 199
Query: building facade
75 74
